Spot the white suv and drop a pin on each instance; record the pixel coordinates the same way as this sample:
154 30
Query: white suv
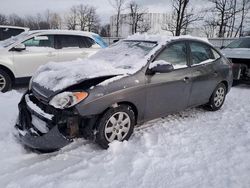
20 56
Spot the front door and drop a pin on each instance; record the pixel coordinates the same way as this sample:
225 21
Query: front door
39 51
169 92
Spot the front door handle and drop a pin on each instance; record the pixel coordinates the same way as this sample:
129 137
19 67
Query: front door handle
186 79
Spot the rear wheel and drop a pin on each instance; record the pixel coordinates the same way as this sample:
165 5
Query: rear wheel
116 124
5 81
218 97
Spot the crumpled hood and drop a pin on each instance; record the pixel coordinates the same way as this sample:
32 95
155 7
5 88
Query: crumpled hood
58 76
240 53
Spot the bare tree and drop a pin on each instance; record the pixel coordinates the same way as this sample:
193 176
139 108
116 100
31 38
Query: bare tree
3 19
223 8
181 17
71 18
137 19
15 20
209 26
83 11
105 30
245 7
119 6
93 22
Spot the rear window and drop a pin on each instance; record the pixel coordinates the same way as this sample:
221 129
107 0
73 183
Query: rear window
6 33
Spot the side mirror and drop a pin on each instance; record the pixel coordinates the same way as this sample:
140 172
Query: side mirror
116 40
20 47
161 68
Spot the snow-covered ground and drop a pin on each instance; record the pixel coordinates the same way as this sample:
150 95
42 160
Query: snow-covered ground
194 148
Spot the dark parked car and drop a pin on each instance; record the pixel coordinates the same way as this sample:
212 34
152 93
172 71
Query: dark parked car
131 82
238 52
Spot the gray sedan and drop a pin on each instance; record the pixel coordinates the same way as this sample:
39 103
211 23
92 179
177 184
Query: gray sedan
104 97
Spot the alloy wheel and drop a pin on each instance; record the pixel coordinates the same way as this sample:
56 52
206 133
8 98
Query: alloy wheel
117 126
219 96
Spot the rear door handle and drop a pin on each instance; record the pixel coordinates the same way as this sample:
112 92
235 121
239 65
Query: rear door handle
215 74
51 54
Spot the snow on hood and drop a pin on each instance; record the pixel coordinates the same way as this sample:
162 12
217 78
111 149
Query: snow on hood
122 58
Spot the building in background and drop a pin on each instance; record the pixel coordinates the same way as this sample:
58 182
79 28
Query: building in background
151 22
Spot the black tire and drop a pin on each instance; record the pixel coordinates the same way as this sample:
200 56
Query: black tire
5 81
105 124
216 103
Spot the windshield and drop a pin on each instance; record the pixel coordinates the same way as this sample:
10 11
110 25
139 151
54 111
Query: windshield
126 54
100 41
12 40
240 43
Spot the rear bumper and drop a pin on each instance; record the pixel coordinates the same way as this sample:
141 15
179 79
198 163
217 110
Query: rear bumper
47 136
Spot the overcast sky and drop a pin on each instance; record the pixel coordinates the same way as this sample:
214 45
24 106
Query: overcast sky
104 9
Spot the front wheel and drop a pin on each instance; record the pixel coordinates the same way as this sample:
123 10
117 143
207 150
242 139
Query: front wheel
5 81
218 97
116 124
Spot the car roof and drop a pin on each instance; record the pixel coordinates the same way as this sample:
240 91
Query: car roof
14 27
63 32
164 39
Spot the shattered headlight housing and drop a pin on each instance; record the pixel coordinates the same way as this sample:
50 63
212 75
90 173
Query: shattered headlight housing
67 99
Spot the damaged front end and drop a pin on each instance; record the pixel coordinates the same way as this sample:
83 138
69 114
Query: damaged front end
43 127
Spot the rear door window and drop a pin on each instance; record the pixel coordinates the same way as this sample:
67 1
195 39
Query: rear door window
73 41
202 53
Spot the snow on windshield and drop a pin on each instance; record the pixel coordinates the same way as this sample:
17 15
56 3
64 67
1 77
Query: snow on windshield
125 54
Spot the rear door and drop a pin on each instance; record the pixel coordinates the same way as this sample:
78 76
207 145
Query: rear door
71 47
205 77
169 92
39 51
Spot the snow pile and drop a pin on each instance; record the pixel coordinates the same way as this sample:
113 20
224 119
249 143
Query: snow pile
194 148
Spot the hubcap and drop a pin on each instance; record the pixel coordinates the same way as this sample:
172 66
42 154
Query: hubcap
117 126
2 82
219 97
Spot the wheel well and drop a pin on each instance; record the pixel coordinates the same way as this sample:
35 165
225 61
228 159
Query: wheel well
126 103
226 84
9 72
133 108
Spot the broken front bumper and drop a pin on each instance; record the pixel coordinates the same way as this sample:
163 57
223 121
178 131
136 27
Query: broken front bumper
39 129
